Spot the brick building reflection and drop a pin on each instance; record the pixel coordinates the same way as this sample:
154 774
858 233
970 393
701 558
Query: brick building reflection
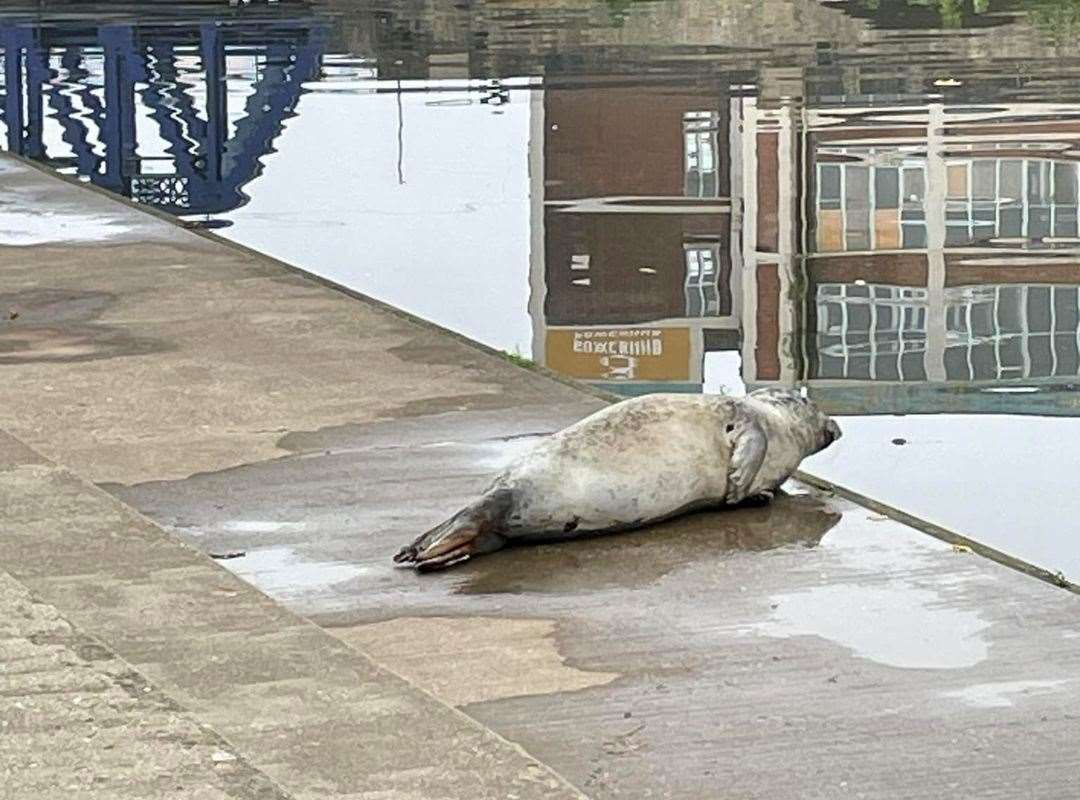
632 242
896 259
919 250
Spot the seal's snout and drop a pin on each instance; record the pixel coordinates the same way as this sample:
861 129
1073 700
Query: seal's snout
832 432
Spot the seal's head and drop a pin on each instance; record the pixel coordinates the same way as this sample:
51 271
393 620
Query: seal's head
830 431
818 428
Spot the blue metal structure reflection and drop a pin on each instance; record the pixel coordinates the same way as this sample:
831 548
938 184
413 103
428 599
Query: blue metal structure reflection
46 77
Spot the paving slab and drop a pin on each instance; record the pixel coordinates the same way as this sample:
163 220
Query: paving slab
78 721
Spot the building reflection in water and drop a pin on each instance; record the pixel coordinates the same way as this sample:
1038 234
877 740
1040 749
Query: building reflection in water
634 249
940 250
894 252
893 259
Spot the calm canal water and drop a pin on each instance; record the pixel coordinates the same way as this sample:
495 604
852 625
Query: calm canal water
877 200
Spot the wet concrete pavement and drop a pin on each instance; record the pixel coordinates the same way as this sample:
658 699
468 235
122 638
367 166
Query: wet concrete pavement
682 661
807 649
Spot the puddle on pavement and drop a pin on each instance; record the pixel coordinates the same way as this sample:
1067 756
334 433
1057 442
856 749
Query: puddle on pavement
261 526
22 228
645 197
1003 694
283 572
898 625
889 616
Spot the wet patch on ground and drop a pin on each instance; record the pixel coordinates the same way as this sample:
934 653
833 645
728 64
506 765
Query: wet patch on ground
898 625
55 326
25 222
641 558
1004 694
20 227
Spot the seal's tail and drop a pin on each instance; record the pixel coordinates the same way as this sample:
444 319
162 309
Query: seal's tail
475 530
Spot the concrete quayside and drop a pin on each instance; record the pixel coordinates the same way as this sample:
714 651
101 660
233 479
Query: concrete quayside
226 403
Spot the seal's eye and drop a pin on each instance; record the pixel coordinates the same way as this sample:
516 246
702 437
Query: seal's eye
729 428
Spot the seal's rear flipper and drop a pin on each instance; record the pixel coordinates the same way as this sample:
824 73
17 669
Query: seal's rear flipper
473 531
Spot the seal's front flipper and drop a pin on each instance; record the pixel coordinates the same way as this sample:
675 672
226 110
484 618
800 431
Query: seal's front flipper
758 500
472 531
748 446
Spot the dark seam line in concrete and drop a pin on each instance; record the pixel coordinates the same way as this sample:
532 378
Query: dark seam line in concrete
1057 579
924 526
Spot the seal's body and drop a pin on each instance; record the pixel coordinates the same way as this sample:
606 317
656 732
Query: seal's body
634 463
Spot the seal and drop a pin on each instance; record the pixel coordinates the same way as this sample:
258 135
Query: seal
631 464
